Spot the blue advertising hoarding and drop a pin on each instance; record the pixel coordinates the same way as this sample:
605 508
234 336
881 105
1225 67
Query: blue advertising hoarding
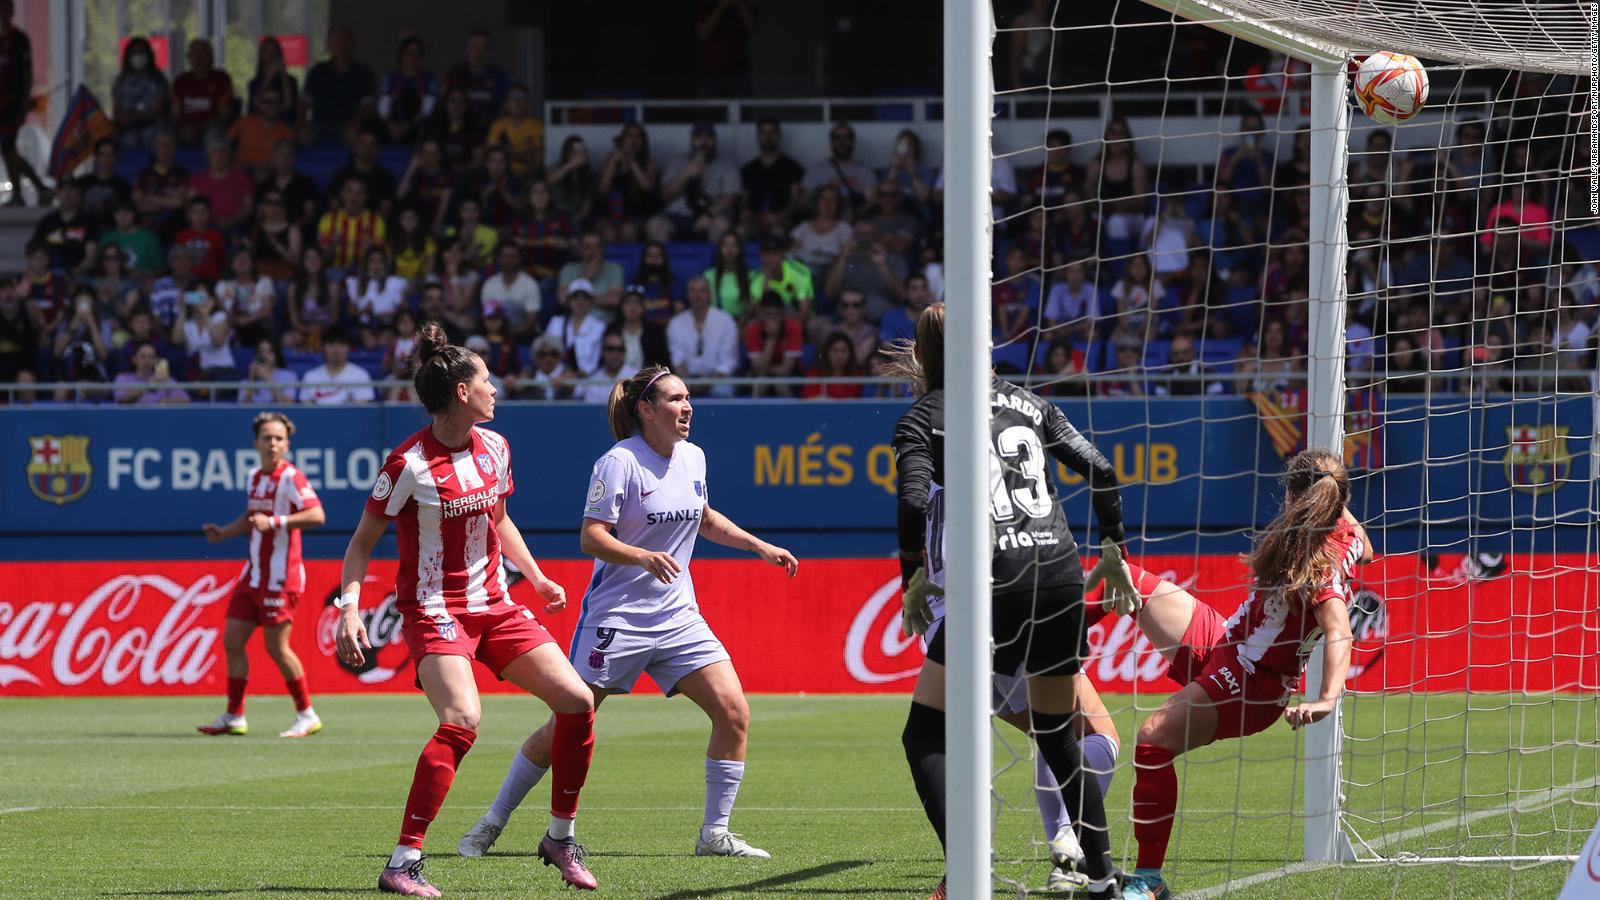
82 482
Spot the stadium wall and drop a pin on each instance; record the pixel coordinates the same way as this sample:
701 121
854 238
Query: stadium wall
100 483
154 627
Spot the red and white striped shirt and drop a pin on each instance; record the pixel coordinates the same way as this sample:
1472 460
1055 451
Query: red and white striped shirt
443 500
1274 633
274 563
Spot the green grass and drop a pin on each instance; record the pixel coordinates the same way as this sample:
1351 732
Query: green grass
118 797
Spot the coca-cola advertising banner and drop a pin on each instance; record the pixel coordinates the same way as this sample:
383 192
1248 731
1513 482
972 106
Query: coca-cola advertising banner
156 627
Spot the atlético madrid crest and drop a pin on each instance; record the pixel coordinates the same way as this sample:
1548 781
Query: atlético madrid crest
59 469
1537 460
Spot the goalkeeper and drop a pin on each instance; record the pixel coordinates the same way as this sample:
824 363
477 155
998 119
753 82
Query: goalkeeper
1238 674
1038 618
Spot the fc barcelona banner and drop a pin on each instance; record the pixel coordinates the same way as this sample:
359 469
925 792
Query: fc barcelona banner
156 627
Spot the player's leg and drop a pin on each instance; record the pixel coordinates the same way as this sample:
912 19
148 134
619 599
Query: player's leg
545 672
276 636
448 683
1097 732
235 639
1187 720
716 690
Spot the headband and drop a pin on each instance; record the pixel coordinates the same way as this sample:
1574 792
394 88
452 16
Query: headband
651 383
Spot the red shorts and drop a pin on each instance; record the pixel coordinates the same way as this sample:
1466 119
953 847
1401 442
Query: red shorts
494 638
1245 703
262 606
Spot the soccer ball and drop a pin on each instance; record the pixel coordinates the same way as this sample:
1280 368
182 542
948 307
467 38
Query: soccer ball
1391 87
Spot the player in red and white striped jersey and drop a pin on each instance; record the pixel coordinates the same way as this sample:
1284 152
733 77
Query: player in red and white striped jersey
1239 673
445 487
279 502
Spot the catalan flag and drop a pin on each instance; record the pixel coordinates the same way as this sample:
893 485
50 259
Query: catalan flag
1283 414
83 125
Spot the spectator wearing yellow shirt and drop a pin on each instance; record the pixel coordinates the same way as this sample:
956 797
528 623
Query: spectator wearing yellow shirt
788 278
477 239
414 248
348 230
520 131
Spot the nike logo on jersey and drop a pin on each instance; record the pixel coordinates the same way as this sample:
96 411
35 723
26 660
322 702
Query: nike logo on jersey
445 477
644 494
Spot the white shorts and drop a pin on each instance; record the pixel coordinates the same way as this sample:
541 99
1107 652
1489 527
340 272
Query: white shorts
1008 692
613 658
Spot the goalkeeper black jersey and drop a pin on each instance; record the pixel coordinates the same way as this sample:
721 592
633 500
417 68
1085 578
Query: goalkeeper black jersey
1032 541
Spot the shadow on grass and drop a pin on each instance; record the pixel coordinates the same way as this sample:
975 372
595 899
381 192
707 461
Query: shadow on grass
777 884
215 892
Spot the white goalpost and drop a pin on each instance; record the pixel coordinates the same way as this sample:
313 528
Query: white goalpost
1393 776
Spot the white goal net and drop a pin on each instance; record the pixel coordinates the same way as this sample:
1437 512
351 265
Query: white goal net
1211 258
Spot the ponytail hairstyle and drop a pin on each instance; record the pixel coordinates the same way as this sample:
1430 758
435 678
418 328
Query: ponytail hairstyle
440 367
623 407
921 362
1294 555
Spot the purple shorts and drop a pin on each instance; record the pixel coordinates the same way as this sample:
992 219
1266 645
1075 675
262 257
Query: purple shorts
613 658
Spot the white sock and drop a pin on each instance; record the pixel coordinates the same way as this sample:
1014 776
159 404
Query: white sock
563 829
404 856
723 777
520 779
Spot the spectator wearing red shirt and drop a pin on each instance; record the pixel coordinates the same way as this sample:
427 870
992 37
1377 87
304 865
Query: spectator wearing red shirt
202 97
16 99
773 342
1519 221
836 359
203 240
226 186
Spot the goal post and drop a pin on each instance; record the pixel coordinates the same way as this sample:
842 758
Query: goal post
968 108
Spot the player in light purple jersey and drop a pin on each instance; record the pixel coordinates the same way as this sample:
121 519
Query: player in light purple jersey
646 505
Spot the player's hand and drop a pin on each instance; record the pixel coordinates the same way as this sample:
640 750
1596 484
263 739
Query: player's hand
1120 596
555 596
916 616
213 532
661 564
350 637
260 521
778 556
1309 712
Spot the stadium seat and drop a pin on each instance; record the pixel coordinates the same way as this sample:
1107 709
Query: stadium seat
1586 241
1014 354
1156 353
625 255
688 259
1222 350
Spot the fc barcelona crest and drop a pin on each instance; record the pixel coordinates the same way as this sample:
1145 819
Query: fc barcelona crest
1537 460
59 471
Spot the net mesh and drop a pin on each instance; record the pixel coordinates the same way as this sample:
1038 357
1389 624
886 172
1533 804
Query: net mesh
1151 270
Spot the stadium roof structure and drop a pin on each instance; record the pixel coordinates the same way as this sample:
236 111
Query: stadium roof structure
1529 35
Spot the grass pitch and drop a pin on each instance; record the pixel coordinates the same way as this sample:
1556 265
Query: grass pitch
120 798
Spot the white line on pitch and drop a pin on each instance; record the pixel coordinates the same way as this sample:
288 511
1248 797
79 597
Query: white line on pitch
1527 804
17 809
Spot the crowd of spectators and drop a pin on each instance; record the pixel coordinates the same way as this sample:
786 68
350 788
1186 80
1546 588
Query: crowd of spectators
568 275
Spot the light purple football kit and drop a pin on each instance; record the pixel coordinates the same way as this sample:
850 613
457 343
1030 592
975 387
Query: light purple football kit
630 622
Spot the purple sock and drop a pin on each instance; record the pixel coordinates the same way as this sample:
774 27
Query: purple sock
722 786
1100 759
1047 793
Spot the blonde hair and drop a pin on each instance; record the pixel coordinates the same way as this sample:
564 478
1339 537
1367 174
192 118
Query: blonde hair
623 406
1294 555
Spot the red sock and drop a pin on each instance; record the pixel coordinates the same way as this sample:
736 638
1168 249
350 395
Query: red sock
1155 803
298 690
236 696
436 770
1146 583
570 751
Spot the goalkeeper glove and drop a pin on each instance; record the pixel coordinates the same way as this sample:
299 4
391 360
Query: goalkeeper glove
1120 596
916 616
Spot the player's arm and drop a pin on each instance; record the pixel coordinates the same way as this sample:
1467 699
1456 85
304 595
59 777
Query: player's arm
1361 534
351 635
1336 639
312 517
238 526
514 548
720 529
913 443
1072 449
597 541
